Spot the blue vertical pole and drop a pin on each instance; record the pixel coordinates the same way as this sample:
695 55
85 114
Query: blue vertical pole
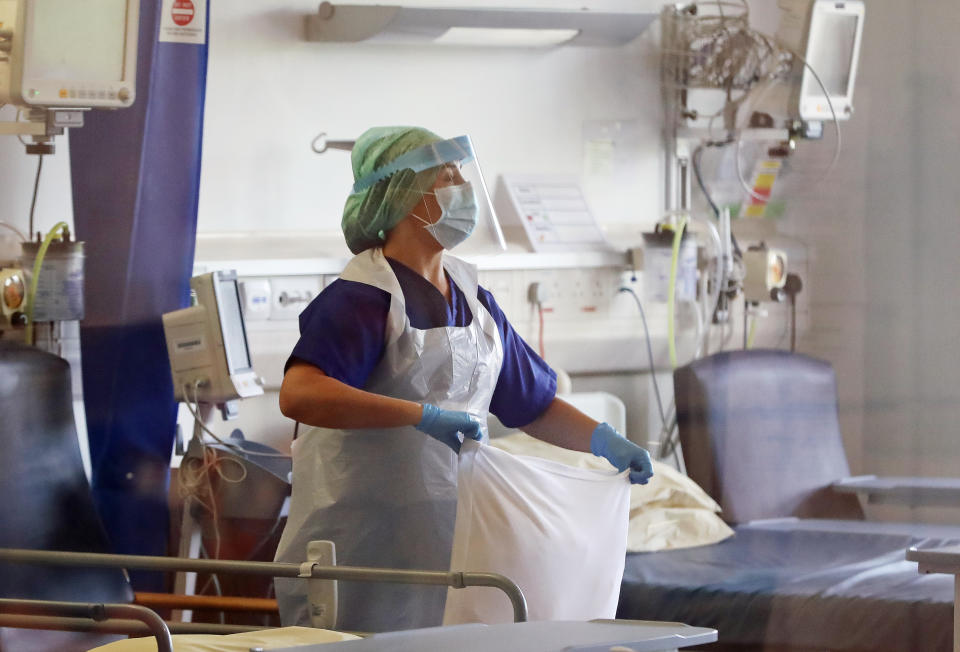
136 177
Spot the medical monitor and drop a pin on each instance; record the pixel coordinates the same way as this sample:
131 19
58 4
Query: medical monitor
827 34
68 53
207 344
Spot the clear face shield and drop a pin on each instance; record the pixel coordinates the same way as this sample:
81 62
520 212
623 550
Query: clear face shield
448 178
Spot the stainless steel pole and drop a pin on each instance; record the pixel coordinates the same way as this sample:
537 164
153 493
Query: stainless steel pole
273 569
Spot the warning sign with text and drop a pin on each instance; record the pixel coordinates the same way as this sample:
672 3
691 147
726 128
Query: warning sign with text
184 21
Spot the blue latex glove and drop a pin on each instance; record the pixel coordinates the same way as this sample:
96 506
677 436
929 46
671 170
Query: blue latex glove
444 426
622 453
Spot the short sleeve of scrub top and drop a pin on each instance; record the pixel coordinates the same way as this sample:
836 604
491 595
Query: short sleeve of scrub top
342 332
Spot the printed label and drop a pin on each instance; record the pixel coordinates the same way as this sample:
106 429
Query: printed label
184 21
189 344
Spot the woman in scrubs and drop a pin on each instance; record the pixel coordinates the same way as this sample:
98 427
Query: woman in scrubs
398 360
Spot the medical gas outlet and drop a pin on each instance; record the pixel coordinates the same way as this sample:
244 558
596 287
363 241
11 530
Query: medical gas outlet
765 273
13 298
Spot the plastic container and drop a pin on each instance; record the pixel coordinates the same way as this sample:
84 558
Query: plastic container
657 256
60 288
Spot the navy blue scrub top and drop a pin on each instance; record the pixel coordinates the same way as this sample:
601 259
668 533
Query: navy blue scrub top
343 332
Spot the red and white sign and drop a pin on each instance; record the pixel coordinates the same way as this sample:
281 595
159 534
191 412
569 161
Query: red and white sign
182 12
184 21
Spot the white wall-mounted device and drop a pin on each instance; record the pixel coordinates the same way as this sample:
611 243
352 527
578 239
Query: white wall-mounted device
827 34
64 53
207 344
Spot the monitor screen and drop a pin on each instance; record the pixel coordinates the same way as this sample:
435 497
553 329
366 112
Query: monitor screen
231 325
832 59
72 40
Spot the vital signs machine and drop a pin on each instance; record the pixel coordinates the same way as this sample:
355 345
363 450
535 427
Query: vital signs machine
207 344
61 57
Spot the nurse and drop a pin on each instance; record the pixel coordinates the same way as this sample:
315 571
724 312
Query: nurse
398 360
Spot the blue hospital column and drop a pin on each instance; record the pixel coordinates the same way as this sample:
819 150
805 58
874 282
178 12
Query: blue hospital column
136 176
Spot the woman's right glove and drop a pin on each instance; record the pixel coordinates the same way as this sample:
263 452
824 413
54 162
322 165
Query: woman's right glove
444 426
622 453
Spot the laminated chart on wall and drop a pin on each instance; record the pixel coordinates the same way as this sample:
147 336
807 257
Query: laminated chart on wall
759 204
553 213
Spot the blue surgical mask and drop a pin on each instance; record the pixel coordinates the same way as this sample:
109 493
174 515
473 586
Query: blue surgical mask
458 217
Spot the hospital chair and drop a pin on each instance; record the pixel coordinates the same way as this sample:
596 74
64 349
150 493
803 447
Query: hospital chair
804 571
47 505
45 502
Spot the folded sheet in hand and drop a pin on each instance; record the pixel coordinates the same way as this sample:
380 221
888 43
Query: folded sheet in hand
668 513
559 532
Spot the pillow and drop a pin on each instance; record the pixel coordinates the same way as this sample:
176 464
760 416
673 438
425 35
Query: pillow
281 637
669 512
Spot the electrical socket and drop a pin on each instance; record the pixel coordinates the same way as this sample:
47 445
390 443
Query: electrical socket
537 293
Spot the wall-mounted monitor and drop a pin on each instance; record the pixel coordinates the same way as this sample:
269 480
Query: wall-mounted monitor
827 34
207 344
68 53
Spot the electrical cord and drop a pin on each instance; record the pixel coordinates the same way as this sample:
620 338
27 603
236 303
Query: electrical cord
836 124
746 313
833 112
653 370
718 50
195 412
214 579
697 154
540 338
11 227
698 337
696 159
712 297
753 330
669 435
36 187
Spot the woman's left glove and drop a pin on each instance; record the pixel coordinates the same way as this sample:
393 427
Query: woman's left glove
448 425
622 453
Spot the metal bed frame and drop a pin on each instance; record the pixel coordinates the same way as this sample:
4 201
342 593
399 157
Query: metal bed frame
76 616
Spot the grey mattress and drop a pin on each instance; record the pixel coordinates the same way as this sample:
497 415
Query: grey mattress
840 585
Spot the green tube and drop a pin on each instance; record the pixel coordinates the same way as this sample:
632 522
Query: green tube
58 228
672 293
753 331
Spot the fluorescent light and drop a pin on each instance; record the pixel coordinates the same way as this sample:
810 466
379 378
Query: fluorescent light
475 26
506 36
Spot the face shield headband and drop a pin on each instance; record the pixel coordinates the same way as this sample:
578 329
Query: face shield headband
458 151
454 150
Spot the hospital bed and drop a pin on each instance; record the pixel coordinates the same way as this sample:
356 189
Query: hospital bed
759 433
56 574
544 636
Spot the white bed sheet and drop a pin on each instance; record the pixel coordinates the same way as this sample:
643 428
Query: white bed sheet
668 513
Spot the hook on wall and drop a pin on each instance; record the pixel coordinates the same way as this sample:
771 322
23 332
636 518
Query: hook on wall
320 144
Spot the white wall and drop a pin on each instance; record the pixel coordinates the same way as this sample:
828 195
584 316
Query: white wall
884 234
912 234
270 92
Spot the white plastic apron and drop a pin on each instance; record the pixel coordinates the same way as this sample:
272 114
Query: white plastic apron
387 498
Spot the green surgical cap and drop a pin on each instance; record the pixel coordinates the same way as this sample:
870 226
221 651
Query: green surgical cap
370 213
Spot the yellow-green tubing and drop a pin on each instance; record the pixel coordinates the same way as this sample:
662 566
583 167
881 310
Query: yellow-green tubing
672 293
753 332
37 264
